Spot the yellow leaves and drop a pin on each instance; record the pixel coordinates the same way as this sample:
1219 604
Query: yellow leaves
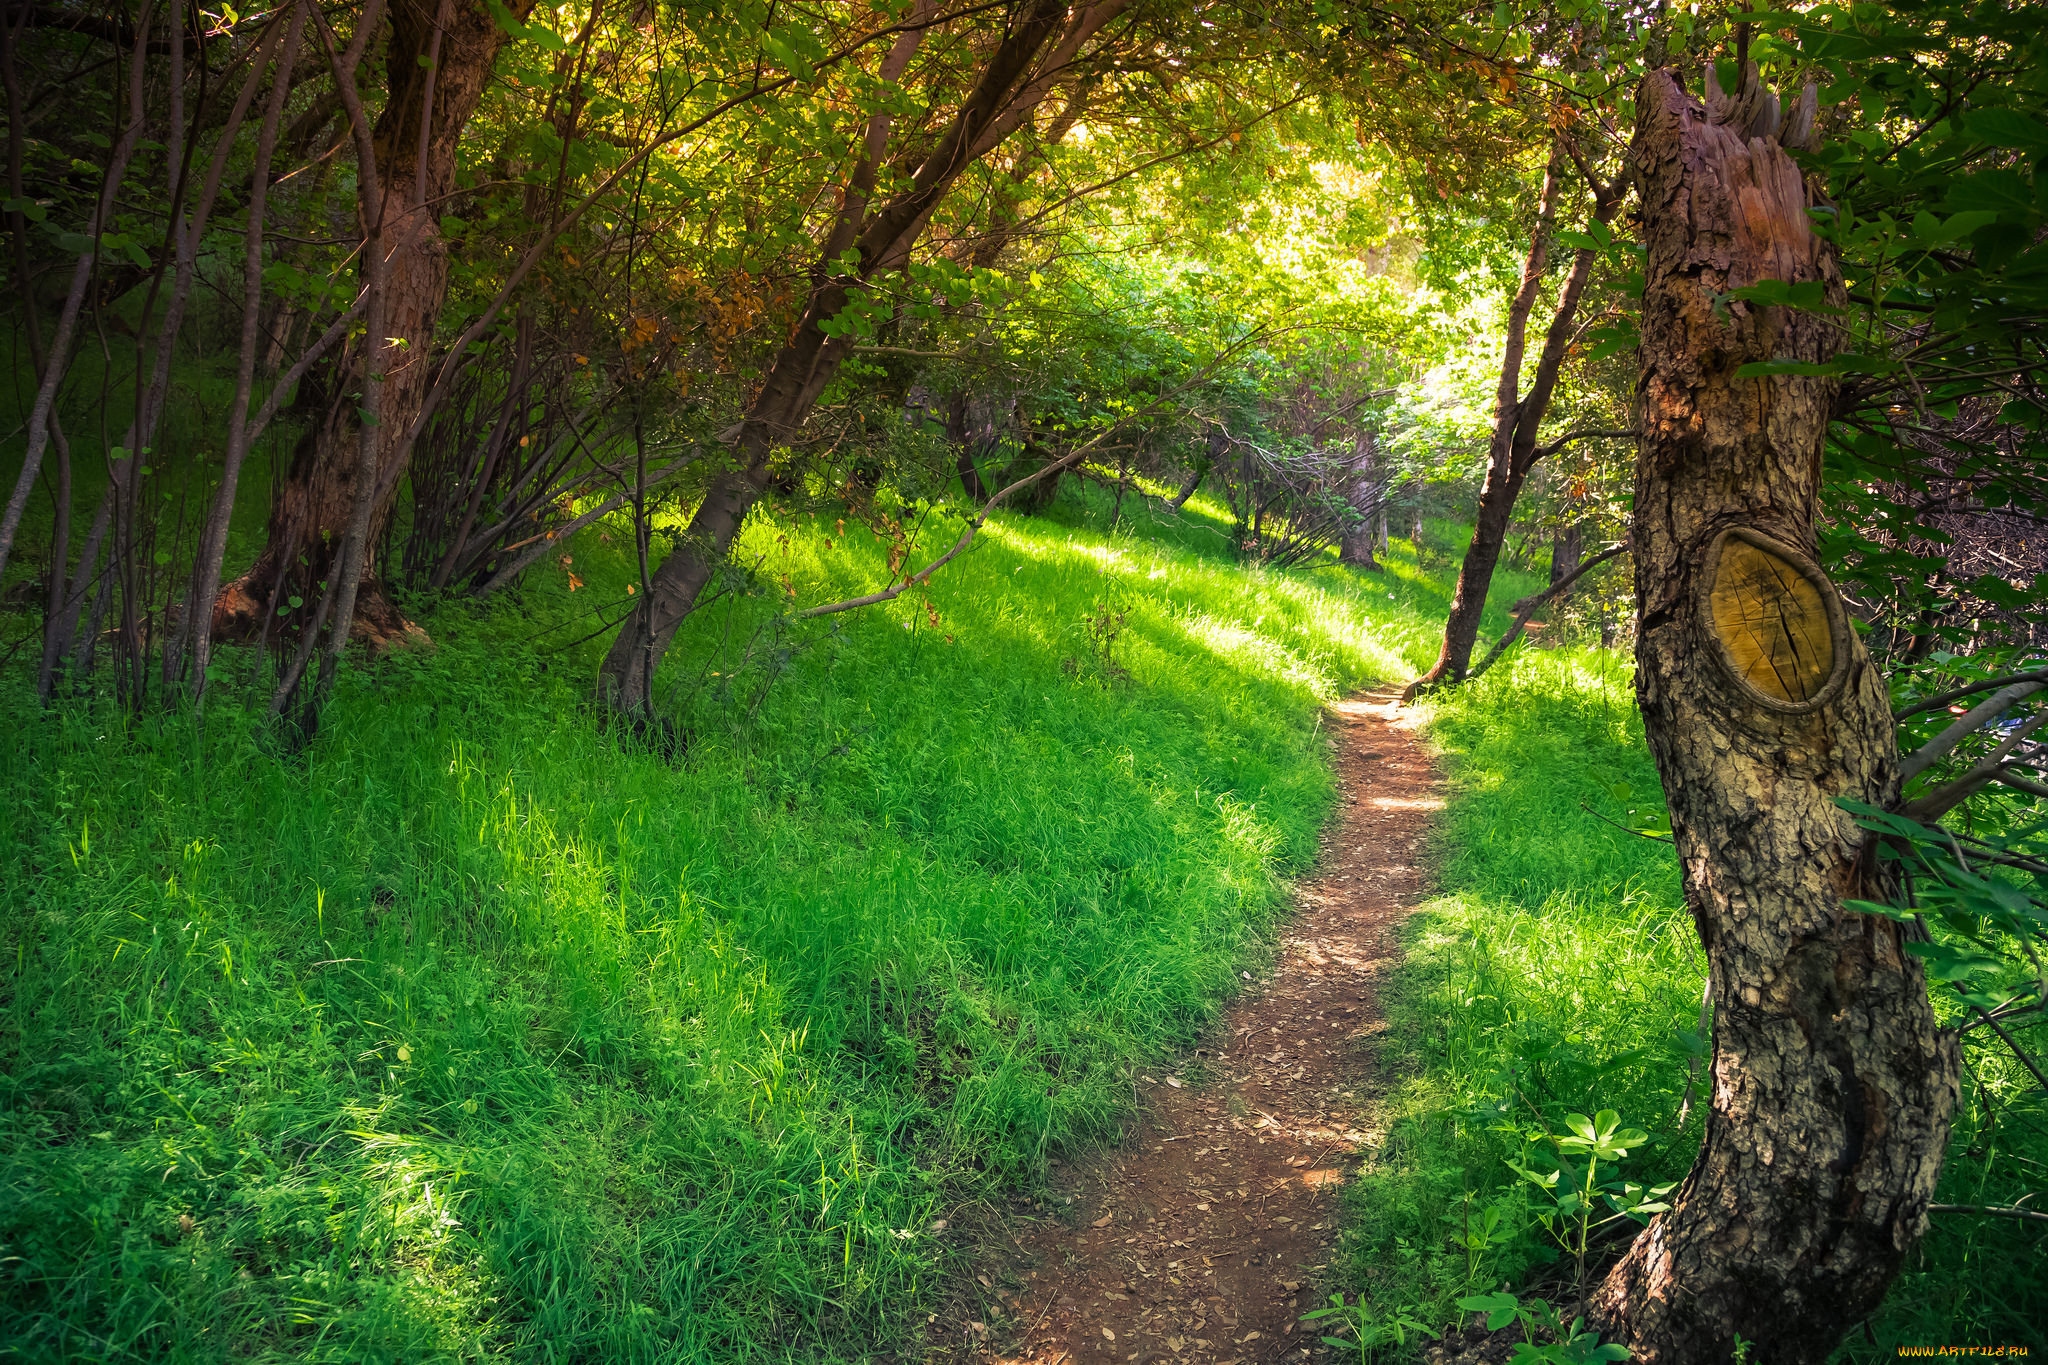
641 333
632 588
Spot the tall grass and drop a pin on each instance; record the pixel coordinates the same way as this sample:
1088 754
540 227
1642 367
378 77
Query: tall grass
475 1031
1557 971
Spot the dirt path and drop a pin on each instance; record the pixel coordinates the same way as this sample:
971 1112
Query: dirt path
1202 1238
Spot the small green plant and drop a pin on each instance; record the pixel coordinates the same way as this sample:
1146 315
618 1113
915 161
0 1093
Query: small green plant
1476 1231
1370 1329
1577 1187
1572 1344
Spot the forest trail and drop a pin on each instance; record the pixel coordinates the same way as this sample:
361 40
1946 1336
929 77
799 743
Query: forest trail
1203 1238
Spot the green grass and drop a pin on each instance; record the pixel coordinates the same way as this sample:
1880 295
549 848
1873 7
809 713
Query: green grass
1557 971
474 1032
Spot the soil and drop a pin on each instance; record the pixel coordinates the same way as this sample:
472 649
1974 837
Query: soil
1204 1237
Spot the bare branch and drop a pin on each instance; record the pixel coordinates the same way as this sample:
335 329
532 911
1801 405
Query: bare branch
541 543
1546 451
2007 777
996 499
1990 1211
1979 716
1947 797
1535 604
1937 702
2026 1060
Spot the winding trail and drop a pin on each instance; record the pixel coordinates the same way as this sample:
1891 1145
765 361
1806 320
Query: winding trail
1203 1237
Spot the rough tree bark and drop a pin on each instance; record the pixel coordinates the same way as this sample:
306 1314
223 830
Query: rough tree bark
441 50
1517 418
1003 94
1832 1087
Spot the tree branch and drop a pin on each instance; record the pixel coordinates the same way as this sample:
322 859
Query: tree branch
1937 702
1921 759
1545 452
1990 1211
1072 457
1531 607
2025 1060
1945 798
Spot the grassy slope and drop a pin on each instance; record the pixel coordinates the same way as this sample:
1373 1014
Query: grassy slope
472 1032
1557 972
688 1049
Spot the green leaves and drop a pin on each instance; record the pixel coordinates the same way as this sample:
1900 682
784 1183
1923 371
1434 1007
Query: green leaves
2006 128
1546 1338
1601 1136
532 33
1810 295
1500 1308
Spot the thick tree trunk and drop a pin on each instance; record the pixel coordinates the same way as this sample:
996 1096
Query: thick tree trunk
449 60
1832 1086
1517 419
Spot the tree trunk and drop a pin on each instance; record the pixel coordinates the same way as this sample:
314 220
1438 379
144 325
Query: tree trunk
1832 1086
311 508
1517 419
880 240
1214 448
959 431
1367 496
1567 549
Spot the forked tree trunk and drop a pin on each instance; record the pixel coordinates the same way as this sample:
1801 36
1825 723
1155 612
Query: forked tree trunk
1832 1087
443 49
1517 418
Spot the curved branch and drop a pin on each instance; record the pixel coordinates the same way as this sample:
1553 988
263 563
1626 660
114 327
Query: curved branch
1533 605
